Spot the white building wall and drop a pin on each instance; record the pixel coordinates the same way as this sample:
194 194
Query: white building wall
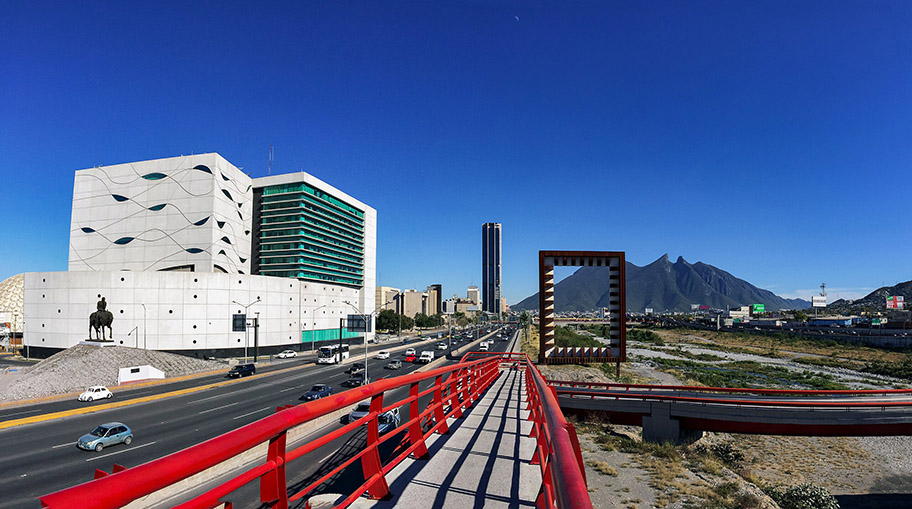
178 310
197 213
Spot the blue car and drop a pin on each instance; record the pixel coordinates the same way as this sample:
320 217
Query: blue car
316 392
110 433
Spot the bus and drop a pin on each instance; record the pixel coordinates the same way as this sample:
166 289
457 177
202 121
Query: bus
330 354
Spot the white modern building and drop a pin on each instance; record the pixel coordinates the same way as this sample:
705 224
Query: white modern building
178 246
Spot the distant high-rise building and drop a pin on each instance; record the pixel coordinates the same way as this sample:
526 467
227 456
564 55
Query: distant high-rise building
435 299
412 302
472 294
490 267
386 297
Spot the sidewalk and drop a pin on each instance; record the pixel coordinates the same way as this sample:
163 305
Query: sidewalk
483 462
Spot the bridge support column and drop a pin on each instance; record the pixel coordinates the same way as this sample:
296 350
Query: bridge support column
659 426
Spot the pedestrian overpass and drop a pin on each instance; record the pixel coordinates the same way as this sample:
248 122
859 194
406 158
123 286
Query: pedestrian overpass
490 432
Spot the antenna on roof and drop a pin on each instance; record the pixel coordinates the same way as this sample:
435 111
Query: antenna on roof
823 289
271 158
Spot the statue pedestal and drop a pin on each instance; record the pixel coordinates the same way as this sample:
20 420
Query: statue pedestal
98 342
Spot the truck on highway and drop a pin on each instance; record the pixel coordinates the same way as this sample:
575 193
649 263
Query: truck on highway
426 357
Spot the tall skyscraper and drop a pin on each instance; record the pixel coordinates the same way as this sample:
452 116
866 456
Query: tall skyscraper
490 267
435 299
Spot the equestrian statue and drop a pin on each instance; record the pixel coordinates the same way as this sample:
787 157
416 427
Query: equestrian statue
99 320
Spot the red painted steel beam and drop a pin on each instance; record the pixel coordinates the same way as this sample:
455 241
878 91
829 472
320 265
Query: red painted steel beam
699 388
797 402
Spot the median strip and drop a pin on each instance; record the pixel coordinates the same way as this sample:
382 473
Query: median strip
106 406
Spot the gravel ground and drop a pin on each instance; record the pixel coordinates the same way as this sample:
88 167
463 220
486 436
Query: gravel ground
853 379
81 366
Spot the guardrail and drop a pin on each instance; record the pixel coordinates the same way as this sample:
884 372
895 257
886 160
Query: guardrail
730 390
464 384
799 398
454 388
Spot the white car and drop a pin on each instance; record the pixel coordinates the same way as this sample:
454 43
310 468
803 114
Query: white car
95 392
383 354
410 351
284 354
441 346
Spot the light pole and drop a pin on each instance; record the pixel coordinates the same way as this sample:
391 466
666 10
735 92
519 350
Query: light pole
246 330
367 318
313 325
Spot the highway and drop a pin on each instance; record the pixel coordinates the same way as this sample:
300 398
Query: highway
42 457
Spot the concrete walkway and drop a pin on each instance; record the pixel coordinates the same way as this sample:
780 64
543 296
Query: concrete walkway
482 462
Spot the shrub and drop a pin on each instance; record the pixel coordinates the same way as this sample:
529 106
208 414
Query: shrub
803 496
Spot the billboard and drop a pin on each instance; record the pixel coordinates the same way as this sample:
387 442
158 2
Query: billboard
704 307
648 311
238 322
818 301
895 302
694 307
758 308
358 323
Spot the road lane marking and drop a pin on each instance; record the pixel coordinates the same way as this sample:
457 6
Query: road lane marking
64 445
20 413
206 399
251 413
218 407
291 389
118 452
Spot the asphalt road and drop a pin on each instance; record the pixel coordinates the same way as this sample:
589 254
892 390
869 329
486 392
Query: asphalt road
42 458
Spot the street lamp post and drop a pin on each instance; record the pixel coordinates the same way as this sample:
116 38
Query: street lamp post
366 322
246 329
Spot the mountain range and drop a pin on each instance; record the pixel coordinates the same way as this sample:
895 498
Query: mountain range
875 300
662 285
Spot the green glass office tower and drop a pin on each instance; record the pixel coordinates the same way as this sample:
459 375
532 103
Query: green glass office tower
306 233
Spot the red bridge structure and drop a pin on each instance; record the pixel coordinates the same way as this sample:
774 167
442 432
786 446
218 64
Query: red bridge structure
453 390
266 453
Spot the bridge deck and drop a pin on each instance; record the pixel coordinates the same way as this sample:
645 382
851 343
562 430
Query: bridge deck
483 462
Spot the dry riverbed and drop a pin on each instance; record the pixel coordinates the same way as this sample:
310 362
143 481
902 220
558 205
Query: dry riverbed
730 470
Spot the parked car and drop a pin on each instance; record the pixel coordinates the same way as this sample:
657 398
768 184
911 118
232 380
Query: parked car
110 433
356 381
242 370
358 412
410 358
394 364
441 346
383 354
95 392
410 351
285 354
316 392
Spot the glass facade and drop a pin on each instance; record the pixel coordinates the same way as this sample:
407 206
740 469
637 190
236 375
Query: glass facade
306 233
322 335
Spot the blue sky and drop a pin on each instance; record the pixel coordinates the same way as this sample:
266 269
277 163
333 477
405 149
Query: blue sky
770 139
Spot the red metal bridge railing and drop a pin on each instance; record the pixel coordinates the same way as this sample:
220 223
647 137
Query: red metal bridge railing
453 388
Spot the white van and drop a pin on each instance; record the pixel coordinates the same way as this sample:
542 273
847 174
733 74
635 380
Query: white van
483 347
426 357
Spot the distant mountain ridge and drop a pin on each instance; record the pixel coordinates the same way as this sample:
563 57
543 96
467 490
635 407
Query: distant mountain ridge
662 286
874 300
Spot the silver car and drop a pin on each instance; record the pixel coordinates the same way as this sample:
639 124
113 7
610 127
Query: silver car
110 433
